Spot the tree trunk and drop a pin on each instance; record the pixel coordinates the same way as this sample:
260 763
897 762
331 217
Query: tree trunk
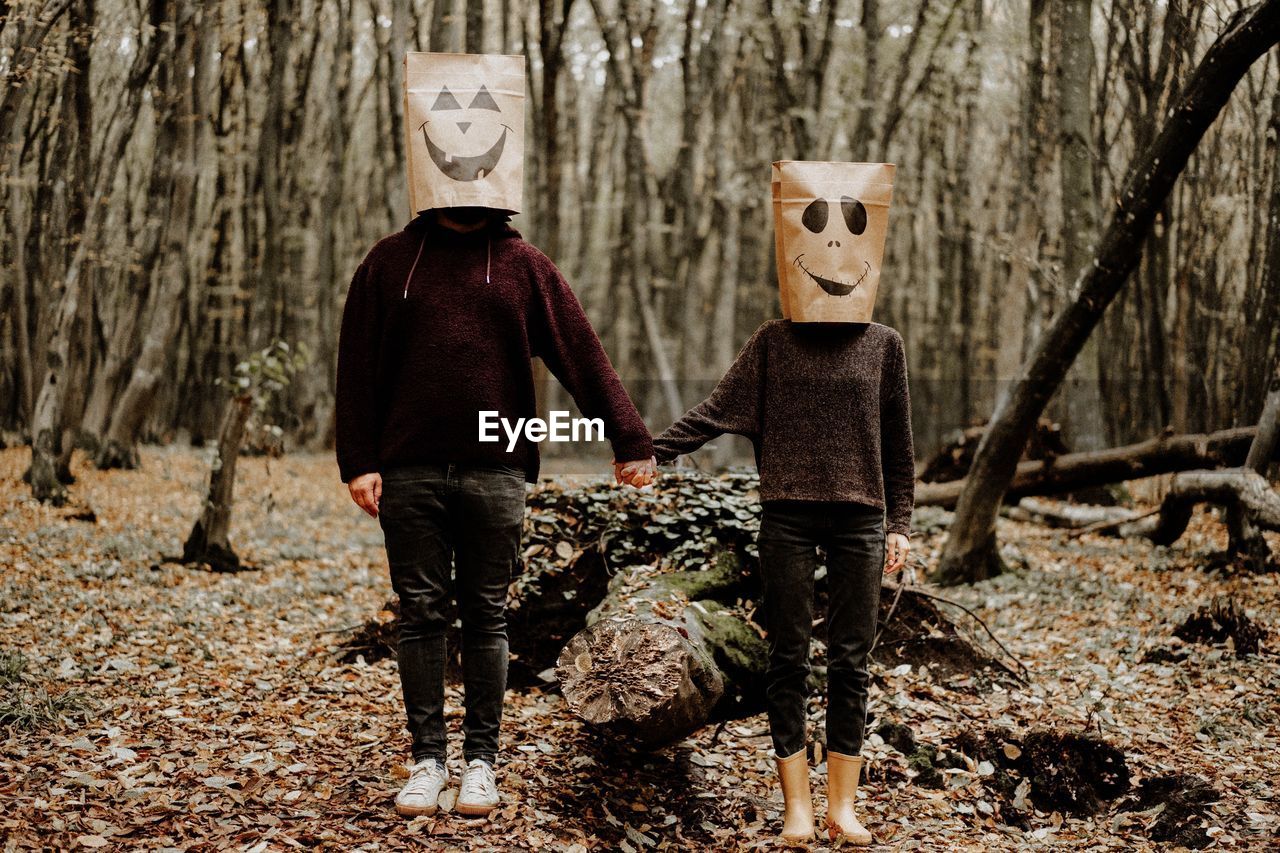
1265 440
78 111
67 348
209 541
444 26
475 26
175 161
553 21
25 58
970 553
1079 208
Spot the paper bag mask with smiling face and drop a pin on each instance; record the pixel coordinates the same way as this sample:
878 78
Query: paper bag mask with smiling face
830 221
464 130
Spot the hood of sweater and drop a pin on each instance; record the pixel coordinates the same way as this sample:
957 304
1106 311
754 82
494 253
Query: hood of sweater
426 229
425 225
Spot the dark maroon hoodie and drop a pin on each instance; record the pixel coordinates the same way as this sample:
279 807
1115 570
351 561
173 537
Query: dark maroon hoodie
420 357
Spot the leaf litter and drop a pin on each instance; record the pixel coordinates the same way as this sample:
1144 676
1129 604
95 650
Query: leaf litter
172 708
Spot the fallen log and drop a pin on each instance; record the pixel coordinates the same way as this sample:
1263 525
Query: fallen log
664 654
1241 490
575 540
953 459
1164 454
1069 515
1251 504
661 578
651 664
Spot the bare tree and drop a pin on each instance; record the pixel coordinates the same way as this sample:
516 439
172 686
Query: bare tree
971 553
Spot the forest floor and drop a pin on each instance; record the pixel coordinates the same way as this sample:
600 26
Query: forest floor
156 706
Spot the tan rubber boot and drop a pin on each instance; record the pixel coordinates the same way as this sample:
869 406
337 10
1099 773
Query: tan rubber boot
797 821
842 799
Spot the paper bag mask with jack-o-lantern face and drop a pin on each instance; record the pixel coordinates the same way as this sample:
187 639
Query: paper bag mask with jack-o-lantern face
464 130
830 221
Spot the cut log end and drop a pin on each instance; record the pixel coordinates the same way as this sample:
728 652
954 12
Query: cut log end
642 679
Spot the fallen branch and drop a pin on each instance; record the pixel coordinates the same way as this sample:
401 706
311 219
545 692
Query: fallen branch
1024 676
1118 526
1164 454
1069 515
1239 489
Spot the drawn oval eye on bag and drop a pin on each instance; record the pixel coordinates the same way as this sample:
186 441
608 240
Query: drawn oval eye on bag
815 216
855 215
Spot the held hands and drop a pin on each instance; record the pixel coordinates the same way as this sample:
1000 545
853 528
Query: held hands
897 547
638 473
366 491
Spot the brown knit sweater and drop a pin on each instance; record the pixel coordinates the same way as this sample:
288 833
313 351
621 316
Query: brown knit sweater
826 407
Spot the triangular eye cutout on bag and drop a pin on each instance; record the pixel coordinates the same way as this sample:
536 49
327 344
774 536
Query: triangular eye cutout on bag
464 130
830 222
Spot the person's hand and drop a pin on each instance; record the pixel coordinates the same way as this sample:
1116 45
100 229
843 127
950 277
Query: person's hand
897 547
638 473
366 491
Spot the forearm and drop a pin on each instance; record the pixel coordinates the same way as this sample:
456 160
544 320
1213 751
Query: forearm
897 447
355 424
899 489
562 335
590 379
735 406
625 429
355 404
699 425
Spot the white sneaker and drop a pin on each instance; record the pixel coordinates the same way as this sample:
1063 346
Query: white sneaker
479 794
427 779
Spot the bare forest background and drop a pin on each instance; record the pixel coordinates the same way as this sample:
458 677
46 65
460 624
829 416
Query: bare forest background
186 183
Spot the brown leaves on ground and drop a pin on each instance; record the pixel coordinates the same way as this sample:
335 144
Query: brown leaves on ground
173 708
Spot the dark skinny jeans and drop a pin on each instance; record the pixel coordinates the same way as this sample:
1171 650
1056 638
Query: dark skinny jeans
852 535
436 517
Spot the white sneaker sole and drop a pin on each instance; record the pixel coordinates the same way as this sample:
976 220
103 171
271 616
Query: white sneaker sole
416 811
474 809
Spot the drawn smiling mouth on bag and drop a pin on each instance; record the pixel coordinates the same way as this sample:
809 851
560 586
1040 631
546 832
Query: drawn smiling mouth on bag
833 287
466 168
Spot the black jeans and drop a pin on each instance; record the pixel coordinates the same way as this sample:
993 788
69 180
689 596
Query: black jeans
852 535
432 516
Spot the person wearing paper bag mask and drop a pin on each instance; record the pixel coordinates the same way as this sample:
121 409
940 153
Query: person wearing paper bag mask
823 396
440 323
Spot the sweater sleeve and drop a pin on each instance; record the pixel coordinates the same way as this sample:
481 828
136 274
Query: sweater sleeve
735 406
897 452
562 336
356 416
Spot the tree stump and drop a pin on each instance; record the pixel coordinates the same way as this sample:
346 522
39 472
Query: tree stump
209 541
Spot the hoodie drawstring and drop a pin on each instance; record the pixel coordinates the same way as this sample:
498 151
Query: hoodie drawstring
488 262
421 246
